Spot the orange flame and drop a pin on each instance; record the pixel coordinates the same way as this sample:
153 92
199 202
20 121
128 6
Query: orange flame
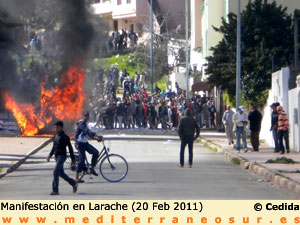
64 103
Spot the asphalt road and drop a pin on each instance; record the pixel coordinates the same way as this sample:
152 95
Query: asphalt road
153 174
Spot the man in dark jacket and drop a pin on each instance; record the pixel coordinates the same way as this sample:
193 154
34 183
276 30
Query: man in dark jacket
59 149
187 128
254 118
274 125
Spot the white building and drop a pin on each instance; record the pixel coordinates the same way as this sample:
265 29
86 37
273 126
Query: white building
206 14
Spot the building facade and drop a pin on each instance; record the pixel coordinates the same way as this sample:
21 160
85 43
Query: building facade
206 14
134 15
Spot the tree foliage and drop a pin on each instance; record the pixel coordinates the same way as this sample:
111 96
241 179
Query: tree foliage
267 43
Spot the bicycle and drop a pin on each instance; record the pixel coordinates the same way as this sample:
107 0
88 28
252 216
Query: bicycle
113 167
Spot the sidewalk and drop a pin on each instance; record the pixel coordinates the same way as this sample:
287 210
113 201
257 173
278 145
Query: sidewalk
15 150
284 175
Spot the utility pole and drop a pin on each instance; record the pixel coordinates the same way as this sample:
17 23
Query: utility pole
238 57
151 44
187 47
296 37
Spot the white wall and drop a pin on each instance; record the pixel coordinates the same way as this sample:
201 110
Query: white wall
180 79
265 133
294 117
278 93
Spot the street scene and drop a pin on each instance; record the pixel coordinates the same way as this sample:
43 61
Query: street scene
149 99
153 174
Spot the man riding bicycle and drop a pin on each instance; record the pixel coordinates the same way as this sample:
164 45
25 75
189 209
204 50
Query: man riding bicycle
81 139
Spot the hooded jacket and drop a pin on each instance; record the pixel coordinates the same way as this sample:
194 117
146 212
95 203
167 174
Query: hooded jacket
188 125
283 121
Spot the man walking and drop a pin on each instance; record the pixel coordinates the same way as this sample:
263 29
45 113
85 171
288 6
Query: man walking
60 142
274 125
283 130
254 118
240 120
81 138
228 123
186 130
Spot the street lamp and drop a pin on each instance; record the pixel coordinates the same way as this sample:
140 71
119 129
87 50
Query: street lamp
187 48
151 44
238 57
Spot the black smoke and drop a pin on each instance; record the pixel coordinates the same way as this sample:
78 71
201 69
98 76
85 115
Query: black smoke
76 32
67 22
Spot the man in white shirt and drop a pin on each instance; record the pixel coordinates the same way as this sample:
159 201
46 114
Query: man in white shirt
240 120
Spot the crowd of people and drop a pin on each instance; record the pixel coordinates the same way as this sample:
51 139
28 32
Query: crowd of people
136 108
236 123
119 41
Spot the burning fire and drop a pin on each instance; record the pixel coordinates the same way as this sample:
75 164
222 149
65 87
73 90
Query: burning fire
64 103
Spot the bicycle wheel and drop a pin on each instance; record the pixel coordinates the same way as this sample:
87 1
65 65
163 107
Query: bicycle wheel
113 168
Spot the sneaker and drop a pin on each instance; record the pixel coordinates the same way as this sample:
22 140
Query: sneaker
281 153
237 151
54 193
180 166
94 172
246 150
190 166
75 187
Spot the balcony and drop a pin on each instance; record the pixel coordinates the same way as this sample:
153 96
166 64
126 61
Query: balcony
102 7
124 9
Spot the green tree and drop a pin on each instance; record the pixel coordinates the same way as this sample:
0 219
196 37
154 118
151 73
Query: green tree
267 44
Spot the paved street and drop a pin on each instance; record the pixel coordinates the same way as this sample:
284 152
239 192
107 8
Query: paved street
153 174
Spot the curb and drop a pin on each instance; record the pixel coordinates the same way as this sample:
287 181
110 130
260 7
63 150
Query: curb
272 176
18 163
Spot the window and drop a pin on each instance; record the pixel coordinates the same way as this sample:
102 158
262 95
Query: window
128 1
119 2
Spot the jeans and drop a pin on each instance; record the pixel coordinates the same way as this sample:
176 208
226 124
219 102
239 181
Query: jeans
59 172
164 121
283 134
254 138
186 140
82 147
240 131
275 137
120 121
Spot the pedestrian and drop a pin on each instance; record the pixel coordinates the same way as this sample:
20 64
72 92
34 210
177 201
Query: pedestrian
283 130
153 115
240 120
254 118
205 114
60 143
274 125
212 111
228 123
163 115
120 114
186 130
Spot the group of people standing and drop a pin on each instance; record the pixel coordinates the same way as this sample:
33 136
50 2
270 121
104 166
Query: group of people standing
236 122
119 41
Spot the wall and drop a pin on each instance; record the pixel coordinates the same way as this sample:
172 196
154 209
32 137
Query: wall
294 116
278 93
196 33
179 77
